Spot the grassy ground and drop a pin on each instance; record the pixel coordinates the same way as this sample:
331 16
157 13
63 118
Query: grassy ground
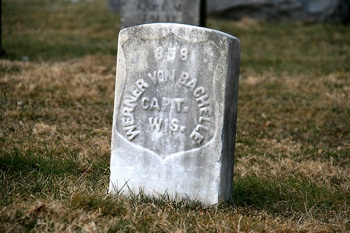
56 98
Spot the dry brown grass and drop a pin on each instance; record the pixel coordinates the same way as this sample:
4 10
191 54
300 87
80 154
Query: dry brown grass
64 109
293 130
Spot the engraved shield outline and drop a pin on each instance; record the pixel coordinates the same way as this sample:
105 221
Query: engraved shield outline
121 82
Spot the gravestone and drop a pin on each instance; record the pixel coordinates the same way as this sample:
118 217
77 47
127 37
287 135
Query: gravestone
2 51
174 122
136 12
292 10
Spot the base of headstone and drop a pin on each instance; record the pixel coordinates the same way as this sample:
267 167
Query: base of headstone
174 122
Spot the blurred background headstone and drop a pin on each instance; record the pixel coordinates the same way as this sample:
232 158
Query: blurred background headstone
293 10
136 12
114 5
2 50
335 11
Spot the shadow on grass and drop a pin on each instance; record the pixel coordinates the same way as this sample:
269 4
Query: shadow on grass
292 197
49 173
18 161
26 173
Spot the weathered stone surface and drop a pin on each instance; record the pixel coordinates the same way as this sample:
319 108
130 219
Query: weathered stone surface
290 10
136 12
175 112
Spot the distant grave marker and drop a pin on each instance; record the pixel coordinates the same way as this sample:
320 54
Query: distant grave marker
175 111
136 12
2 51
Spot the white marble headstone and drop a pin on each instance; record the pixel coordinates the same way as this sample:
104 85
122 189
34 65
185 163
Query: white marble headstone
136 12
175 112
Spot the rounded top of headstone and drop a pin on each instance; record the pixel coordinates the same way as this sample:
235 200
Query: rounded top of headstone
192 33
